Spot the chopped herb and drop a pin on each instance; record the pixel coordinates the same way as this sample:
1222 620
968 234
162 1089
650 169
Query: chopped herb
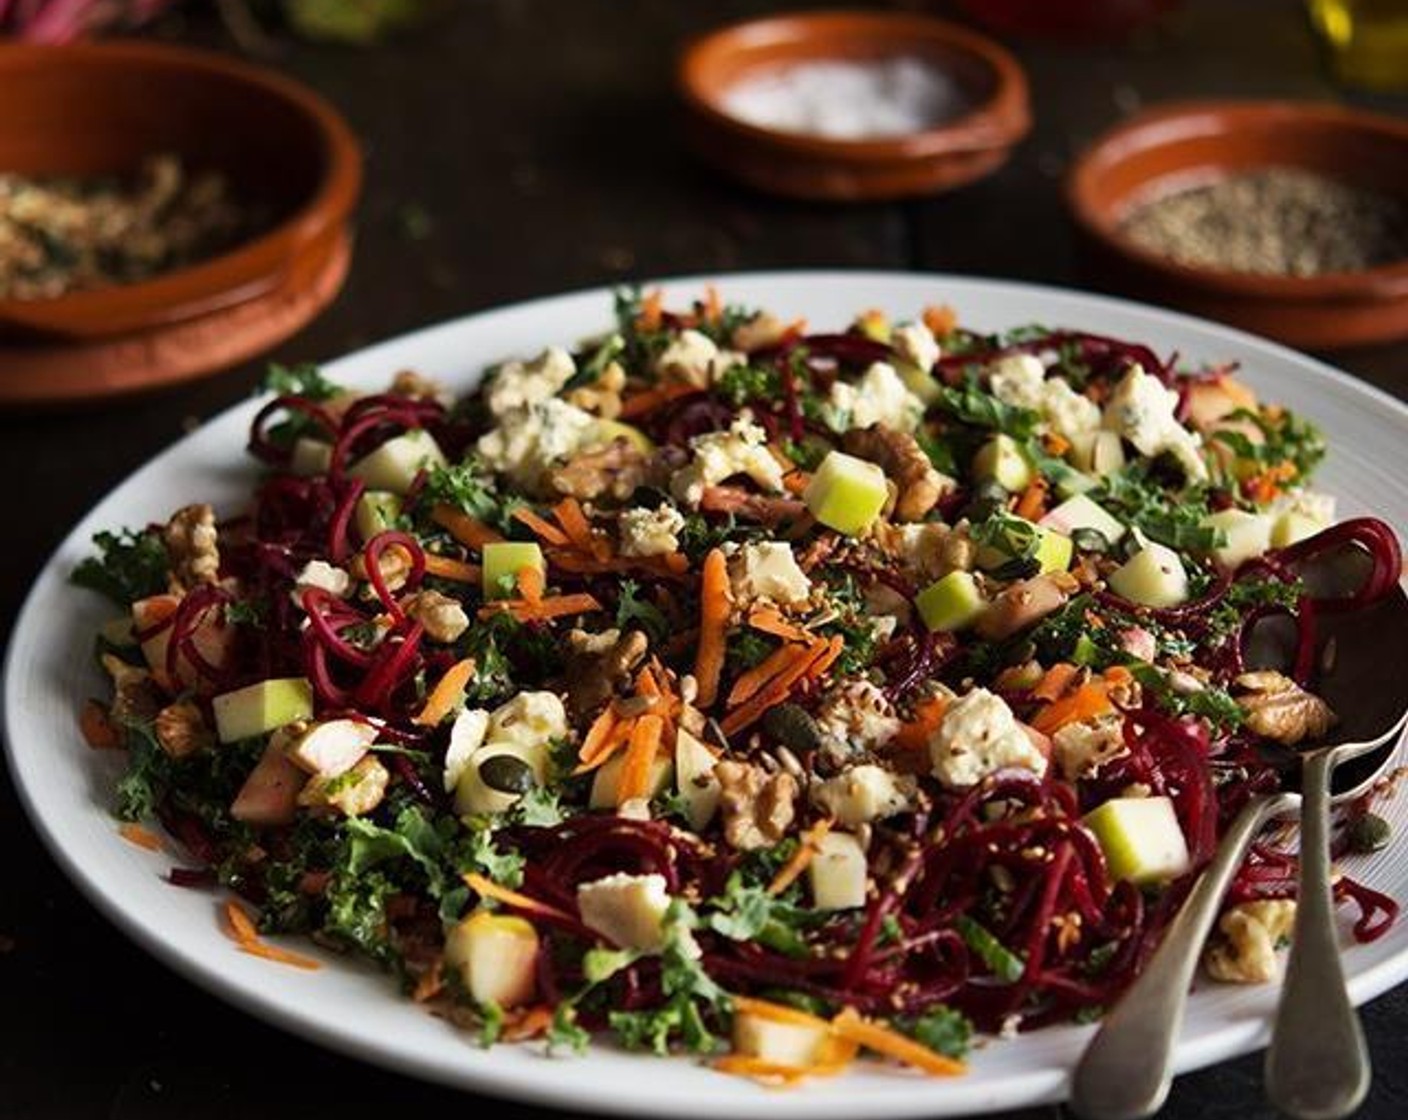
943 1030
129 566
1004 964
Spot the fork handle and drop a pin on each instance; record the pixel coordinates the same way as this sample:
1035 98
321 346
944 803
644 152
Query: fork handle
1125 1072
1318 1065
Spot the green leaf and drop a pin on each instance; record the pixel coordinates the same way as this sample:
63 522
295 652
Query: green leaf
970 404
303 380
413 837
943 1030
600 965
129 566
564 1033
357 912
478 852
1004 964
143 785
750 913
469 486
634 612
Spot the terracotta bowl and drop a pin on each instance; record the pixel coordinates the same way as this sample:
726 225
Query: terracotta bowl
960 150
95 108
1189 144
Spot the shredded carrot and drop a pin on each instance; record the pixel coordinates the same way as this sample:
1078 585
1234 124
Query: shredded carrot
487 888
469 531
640 754
770 1074
97 727
1055 444
770 621
914 734
1032 503
940 319
713 306
647 400
531 584
456 570
578 529
246 936
793 331
431 982
795 482
554 606
134 833
530 1022
1117 675
652 311
448 692
827 658
714 607
885 1040
1086 702
1056 681
778 687
598 734
545 529
615 740
779 661
801 859
777 1012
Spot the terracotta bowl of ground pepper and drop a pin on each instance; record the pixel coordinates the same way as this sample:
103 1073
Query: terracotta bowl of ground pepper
1288 219
263 166
852 106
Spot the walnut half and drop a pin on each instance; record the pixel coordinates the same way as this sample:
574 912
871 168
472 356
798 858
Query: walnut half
1281 710
919 486
757 807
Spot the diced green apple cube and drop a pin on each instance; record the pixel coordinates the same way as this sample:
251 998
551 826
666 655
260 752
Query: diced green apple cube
1153 577
376 512
503 560
1080 512
396 463
838 872
1292 526
951 603
496 956
1141 838
694 778
260 708
1248 535
919 382
1053 550
310 457
846 493
1002 460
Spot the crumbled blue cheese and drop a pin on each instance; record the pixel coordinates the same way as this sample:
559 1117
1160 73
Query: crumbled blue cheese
915 343
863 793
531 440
322 575
1020 380
694 357
979 736
519 384
742 449
767 572
651 532
879 397
1142 411
855 717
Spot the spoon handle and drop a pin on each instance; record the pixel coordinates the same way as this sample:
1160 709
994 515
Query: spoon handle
1318 1065
1124 1073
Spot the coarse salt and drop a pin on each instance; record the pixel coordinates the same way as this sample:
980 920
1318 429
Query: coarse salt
845 100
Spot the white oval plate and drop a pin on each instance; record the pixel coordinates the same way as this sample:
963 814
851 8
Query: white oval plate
351 1008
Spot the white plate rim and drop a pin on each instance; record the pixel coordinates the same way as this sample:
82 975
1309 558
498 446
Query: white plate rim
650 1085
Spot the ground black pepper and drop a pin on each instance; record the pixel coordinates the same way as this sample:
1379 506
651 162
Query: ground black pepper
1276 221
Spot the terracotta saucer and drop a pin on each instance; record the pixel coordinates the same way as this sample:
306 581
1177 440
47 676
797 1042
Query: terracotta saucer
87 371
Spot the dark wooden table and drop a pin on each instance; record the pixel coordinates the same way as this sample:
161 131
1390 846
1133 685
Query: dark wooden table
526 147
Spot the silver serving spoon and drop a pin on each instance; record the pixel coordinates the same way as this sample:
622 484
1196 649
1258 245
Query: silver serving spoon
1125 1071
1317 1067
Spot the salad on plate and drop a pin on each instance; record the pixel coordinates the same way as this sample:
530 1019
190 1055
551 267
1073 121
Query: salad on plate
722 686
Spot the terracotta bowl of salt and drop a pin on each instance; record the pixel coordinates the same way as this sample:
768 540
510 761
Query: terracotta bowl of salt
853 106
